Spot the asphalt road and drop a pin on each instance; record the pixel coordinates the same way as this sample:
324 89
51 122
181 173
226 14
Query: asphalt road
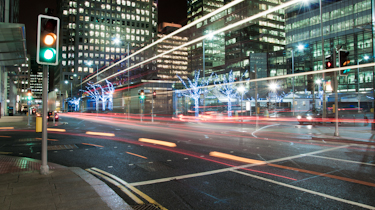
213 165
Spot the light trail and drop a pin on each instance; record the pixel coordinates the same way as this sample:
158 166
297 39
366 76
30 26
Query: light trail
233 25
152 141
99 133
221 9
95 145
56 129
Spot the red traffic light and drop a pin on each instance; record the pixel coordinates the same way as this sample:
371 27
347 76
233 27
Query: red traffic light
329 64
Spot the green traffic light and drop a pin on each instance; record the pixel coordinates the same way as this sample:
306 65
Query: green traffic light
142 97
29 98
49 54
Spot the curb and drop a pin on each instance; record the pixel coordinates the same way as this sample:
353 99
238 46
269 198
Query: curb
111 198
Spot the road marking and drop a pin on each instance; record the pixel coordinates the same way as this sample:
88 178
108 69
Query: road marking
308 191
137 155
6 128
95 145
158 142
6 153
56 129
124 189
232 168
5 136
349 161
100 133
144 196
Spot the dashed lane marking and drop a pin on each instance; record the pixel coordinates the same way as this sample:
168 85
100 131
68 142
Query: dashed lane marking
6 128
6 153
95 145
308 191
137 155
4 136
99 133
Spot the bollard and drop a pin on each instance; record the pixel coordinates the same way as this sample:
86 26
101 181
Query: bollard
38 124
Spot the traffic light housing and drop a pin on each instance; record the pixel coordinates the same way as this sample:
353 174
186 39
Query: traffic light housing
48 40
154 94
329 62
29 95
142 94
344 61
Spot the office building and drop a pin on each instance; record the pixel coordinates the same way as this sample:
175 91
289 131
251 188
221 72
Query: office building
99 32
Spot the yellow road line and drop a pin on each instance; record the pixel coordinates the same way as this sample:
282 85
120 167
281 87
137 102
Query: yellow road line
153 141
136 155
100 133
56 129
95 145
6 128
124 189
146 197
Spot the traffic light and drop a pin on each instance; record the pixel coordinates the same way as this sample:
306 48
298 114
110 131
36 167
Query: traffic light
48 40
29 95
344 61
142 94
329 62
154 94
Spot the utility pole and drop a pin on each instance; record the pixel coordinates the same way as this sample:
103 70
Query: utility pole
44 169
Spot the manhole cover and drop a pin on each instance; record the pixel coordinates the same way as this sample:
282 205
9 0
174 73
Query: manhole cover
146 207
62 147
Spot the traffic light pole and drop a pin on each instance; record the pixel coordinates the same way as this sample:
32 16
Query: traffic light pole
152 106
336 96
44 169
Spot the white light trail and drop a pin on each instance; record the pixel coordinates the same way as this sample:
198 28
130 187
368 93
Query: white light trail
221 9
261 14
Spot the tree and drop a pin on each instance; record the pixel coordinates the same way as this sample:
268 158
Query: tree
228 88
92 90
196 89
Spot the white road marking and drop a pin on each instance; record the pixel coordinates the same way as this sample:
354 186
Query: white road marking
110 166
232 168
169 160
349 161
308 191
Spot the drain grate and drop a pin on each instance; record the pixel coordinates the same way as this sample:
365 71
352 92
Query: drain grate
62 147
146 207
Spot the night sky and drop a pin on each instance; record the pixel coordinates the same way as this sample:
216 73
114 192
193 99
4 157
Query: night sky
169 11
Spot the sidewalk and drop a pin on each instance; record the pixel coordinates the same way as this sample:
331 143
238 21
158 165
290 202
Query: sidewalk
22 187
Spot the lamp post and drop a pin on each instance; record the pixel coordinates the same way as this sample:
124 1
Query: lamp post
241 89
366 57
273 87
300 47
90 63
71 92
210 36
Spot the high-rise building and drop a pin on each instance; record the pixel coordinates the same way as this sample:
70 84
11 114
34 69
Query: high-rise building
256 40
346 25
208 55
9 11
168 66
98 32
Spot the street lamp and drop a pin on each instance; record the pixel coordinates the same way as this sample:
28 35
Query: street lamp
90 63
273 87
300 47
